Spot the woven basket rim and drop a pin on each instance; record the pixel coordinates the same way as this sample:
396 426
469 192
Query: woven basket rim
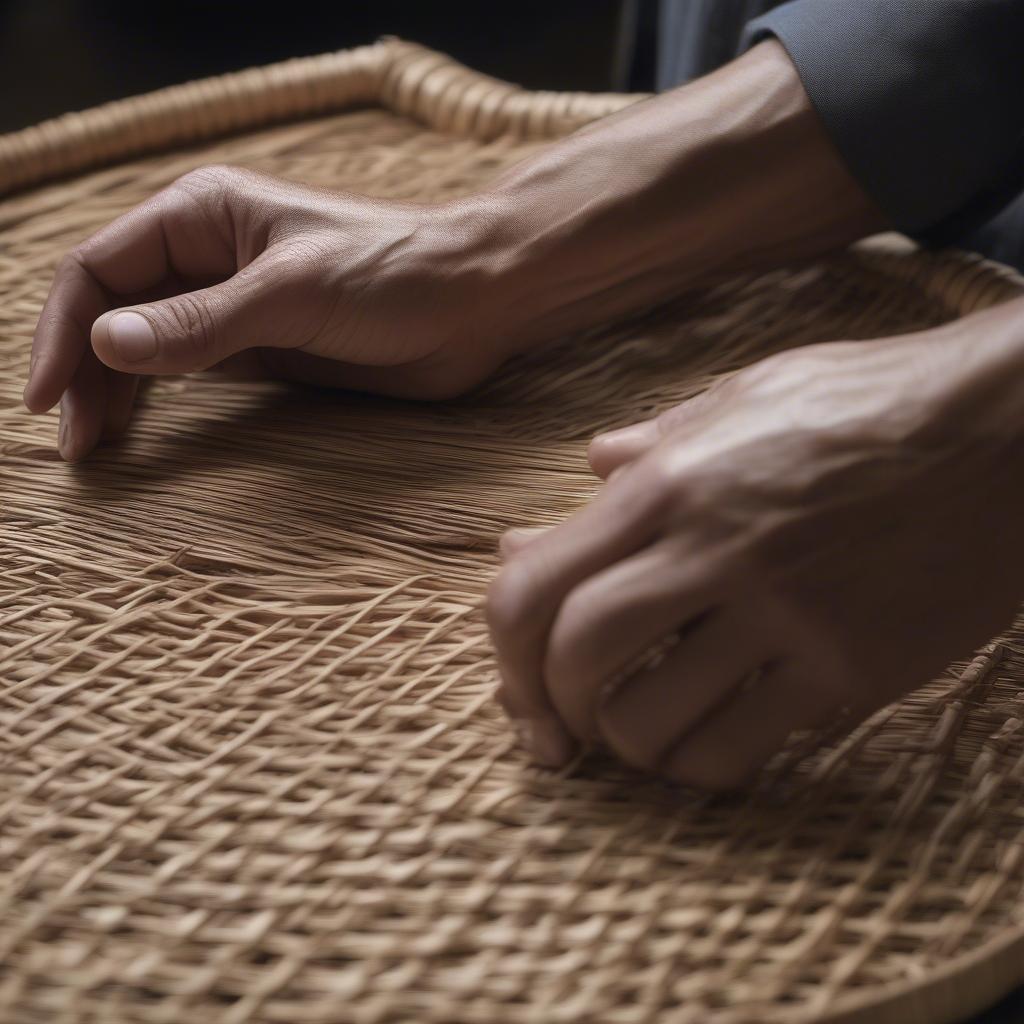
393 74
943 998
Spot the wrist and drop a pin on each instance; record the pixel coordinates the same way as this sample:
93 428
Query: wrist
730 173
957 401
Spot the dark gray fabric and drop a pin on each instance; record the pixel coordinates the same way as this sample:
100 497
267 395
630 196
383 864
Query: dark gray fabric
924 100
1001 238
697 36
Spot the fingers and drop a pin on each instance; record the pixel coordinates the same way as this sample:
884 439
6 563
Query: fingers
184 231
188 230
121 389
81 410
518 538
613 620
525 597
728 748
199 329
61 338
617 448
174 232
646 715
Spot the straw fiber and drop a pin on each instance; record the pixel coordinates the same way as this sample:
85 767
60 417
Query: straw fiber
250 767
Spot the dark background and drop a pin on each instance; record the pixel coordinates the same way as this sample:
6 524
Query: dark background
61 55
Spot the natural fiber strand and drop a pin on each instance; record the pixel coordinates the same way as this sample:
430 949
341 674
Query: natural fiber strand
250 767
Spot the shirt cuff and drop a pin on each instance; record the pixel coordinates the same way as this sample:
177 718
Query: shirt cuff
923 101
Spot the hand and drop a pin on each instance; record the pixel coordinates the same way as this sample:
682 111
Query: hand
238 271
808 540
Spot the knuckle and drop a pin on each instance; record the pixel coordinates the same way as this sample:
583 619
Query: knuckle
194 323
763 378
662 479
647 493
308 248
790 368
210 187
308 262
74 262
597 446
509 599
74 257
208 177
682 413
671 419
581 617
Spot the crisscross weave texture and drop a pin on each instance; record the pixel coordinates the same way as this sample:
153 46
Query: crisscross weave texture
250 768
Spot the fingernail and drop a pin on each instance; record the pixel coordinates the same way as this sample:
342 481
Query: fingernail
546 741
132 336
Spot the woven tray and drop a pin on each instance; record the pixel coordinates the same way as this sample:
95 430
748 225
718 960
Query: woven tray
250 768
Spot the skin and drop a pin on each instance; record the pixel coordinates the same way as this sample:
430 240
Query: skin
257 277
820 533
803 543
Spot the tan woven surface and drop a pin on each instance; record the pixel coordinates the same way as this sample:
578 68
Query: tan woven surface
250 769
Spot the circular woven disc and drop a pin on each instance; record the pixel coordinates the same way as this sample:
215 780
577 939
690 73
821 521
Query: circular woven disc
250 767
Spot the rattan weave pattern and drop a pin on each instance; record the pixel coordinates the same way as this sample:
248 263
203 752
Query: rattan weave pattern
250 769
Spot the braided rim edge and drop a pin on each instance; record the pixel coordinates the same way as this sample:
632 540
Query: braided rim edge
400 76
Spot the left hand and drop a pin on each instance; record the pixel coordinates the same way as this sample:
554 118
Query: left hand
231 270
814 536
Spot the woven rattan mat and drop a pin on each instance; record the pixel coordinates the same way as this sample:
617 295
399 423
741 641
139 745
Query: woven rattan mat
251 769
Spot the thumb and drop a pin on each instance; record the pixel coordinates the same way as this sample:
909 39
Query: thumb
617 448
193 331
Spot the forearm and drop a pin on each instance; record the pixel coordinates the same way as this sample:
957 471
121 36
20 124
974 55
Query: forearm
730 173
904 88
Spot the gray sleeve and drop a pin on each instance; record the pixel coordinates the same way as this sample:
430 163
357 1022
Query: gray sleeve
924 99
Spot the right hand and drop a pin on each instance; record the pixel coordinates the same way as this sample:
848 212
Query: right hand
238 271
